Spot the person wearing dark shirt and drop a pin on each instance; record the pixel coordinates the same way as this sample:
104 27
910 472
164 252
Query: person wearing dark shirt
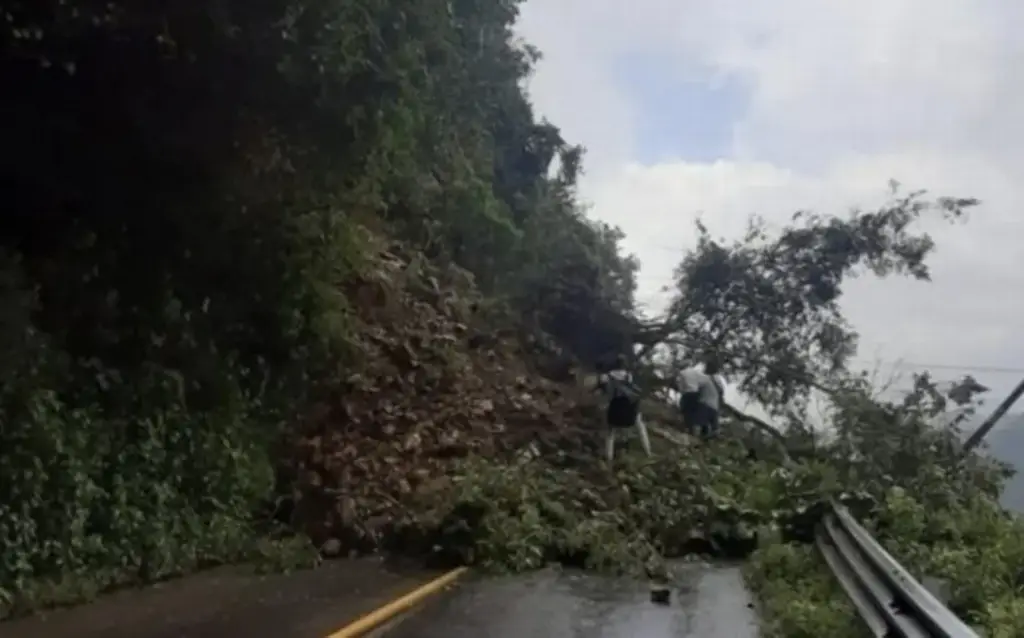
623 410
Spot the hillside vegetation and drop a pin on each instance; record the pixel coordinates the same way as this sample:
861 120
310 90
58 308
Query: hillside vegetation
284 280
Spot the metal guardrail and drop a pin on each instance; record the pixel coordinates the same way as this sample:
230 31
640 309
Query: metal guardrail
891 602
888 599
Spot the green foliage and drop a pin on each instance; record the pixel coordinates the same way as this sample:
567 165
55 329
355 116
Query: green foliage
524 515
173 275
972 544
176 251
124 485
710 500
714 500
938 518
575 285
798 597
768 305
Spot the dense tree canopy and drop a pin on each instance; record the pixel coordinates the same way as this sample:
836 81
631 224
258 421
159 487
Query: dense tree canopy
184 188
768 305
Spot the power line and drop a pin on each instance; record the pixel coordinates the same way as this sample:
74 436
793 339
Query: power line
963 367
945 366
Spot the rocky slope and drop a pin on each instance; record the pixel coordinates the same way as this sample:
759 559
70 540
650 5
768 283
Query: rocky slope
436 379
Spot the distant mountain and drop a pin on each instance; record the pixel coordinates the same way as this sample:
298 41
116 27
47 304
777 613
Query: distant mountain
1006 443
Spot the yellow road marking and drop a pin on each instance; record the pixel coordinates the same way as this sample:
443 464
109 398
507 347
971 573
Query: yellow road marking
387 612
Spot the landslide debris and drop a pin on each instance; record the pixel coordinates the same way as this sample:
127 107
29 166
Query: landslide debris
447 439
432 383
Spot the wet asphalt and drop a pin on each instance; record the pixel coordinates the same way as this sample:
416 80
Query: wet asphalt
233 601
708 601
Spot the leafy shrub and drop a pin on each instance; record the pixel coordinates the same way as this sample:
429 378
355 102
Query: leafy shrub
938 517
696 500
107 493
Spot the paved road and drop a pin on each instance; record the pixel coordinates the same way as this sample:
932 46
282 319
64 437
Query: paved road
229 602
707 602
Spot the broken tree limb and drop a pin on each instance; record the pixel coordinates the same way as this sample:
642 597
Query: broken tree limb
770 430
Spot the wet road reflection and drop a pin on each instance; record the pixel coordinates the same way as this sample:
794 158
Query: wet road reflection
707 602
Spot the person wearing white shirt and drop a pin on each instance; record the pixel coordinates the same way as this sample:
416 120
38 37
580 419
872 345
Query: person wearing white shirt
623 411
701 399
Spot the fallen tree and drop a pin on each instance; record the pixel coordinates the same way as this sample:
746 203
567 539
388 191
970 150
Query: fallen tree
347 295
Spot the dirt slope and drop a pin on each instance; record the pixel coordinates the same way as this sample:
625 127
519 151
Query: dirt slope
433 382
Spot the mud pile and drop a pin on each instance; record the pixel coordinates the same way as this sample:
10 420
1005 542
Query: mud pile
432 383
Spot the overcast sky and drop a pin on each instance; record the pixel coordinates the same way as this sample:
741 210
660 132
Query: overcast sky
731 107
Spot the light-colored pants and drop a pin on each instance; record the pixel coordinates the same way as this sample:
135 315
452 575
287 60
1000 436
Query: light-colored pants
644 439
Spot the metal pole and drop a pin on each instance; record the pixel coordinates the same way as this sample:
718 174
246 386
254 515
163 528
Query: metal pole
990 422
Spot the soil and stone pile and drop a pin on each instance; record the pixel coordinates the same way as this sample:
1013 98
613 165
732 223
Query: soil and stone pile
432 383
450 438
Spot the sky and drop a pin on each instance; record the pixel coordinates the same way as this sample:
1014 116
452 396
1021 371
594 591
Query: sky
724 109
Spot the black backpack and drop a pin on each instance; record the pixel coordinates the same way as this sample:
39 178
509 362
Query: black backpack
622 388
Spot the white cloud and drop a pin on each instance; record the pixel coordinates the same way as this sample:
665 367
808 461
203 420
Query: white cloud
843 97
